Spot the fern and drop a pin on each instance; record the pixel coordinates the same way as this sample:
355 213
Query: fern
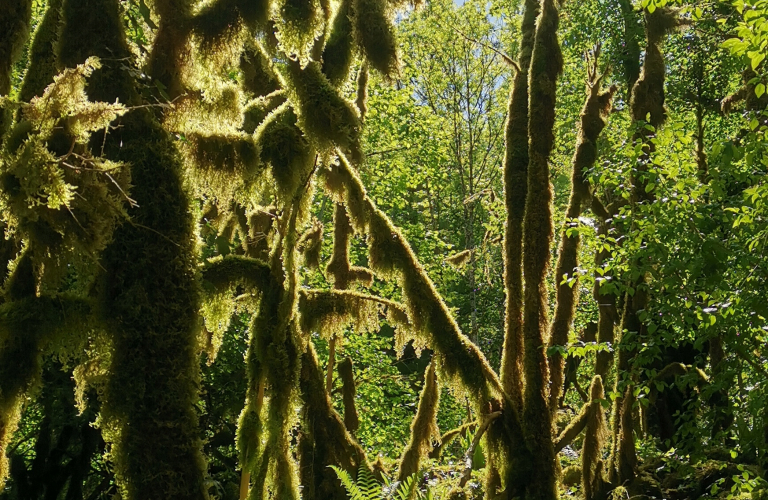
367 488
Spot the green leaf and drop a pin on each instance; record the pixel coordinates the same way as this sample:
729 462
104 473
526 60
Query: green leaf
759 89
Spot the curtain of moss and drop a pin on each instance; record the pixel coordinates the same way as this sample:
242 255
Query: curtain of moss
546 66
593 119
148 295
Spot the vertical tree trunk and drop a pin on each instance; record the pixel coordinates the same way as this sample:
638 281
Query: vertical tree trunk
149 297
546 66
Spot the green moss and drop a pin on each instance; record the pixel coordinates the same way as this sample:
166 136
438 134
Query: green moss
31 328
515 192
221 163
323 114
285 150
592 121
424 428
324 438
258 77
298 23
15 18
349 390
331 312
42 59
309 245
219 23
362 91
259 109
339 49
341 272
375 35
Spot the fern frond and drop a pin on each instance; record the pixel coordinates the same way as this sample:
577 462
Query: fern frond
368 485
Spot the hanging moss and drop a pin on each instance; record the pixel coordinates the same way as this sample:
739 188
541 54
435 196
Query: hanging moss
322 113
285 150
258 77
330 312
15 19
69 200
342 274
459 260
220 22
339 51
298 23
362 91
347 375
424 428
221 163
226 272
171 57
324 438
257 110
375 35
648 93
42 59
310 243
593 118
31 328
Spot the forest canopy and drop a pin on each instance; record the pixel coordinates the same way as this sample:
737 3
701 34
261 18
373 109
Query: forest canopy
372 249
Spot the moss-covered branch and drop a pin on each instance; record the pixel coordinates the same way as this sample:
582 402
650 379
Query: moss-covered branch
424 428
31 328
15 18
593 119
42 60
515 189
546 66
329 312
224 273
324 438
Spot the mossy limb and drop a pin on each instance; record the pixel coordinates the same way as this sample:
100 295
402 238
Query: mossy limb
324 440
374 34
593 119
347 375
424 430
42 58
15 19
339 49
323 113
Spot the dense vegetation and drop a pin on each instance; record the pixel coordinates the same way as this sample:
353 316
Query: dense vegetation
383 249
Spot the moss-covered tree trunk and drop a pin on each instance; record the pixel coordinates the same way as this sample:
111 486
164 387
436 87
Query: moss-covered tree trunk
149 295
546 66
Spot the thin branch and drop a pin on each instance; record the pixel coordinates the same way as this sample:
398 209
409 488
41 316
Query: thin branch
487 420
